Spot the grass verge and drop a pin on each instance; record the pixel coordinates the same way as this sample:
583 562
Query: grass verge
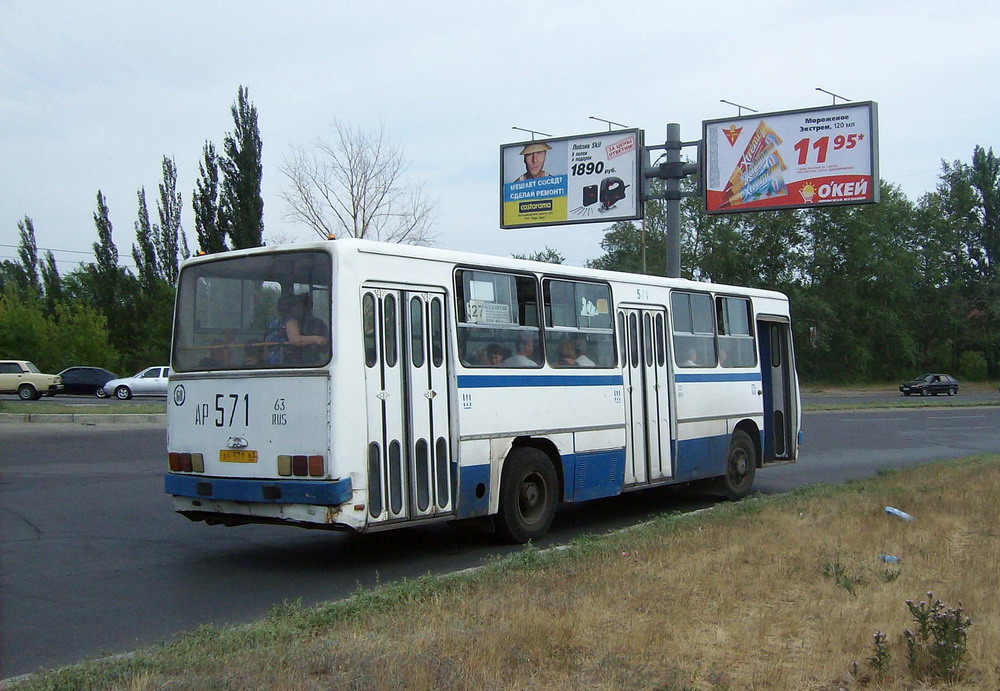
934 402
109 408
782 592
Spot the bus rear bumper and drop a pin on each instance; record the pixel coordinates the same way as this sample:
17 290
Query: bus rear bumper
229 501
318 492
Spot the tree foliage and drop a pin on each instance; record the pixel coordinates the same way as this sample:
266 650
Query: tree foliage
877 291
241 207
211 235
169 240
356 187
548 255
145 254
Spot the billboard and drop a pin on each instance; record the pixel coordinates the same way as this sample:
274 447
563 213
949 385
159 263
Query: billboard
590 178
792 159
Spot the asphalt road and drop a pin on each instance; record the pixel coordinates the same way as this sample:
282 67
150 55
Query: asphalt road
93 561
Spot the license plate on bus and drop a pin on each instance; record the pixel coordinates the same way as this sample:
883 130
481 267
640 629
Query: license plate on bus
237 456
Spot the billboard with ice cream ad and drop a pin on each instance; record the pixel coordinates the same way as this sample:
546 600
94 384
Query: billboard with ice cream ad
792 159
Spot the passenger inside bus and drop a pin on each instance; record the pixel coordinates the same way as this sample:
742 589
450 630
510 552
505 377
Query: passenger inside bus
581 358
690 358
492 355
525 351
288 333
568 353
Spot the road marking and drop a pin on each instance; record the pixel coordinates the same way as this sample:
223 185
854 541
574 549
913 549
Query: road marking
961 428
873 419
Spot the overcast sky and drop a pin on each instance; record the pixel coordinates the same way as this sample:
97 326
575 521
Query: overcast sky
94 94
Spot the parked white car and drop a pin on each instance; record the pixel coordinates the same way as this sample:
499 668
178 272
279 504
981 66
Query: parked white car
151 381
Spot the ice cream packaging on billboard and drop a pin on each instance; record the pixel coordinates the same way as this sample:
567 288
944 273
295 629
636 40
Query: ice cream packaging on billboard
793 159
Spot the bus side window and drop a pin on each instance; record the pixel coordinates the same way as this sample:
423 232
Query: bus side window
736 341
497 319
368 321
694 330
579 324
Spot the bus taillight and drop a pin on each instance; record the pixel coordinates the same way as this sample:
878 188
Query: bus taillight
301 466
186 462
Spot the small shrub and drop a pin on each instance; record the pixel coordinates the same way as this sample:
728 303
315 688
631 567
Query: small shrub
879 661
972 365
839 573
938 647
935 649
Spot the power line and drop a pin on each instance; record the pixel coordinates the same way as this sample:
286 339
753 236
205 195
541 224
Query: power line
52 249
74 262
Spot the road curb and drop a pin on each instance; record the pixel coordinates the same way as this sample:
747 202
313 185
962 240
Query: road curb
85 418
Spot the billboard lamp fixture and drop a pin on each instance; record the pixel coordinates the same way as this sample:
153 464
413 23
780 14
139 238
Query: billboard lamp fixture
533 132
739 108
609 122
835 96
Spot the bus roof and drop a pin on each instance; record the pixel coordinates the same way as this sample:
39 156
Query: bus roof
354 245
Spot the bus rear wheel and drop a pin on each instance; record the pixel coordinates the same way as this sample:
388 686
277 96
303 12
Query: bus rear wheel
528 496
741 465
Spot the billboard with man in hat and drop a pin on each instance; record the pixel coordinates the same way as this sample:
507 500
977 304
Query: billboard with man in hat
598 173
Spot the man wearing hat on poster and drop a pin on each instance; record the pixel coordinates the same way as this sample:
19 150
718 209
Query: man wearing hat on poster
534 161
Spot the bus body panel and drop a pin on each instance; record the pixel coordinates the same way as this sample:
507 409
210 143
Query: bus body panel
242 425
644 420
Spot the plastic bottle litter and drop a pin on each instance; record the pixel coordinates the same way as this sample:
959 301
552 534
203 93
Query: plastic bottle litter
889 559
896 512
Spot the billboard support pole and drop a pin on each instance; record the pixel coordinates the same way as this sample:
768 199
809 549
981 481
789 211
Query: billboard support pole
671 172
672 186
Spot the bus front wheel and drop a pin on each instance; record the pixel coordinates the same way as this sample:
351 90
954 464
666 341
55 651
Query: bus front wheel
741 465
528 496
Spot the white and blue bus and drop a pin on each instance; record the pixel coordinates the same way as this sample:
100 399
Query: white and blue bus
354 385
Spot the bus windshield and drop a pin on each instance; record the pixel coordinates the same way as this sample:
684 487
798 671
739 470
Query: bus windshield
262 311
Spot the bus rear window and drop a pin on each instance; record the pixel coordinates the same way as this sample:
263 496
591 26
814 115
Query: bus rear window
258 312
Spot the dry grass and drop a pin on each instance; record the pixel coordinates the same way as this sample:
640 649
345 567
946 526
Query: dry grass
734 598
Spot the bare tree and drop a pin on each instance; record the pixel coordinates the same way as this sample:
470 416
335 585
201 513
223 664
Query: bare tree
355 187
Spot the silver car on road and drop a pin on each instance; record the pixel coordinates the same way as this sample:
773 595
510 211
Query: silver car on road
151 381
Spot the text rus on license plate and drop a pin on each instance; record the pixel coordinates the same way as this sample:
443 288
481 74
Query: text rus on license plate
237 456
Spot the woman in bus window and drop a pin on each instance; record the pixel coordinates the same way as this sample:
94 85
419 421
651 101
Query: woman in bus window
286 331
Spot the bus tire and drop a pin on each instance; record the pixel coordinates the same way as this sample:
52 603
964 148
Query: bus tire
741 465
528 496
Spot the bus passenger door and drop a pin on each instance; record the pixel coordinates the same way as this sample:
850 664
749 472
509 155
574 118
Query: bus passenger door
647 400
777 381
406 398
427 405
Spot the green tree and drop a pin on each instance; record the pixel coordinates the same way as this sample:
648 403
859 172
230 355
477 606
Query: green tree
72 334
548 255
169 239
51 283
626 248
211 235
859 295
25 334
241 208
967 202
145 254
27 274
